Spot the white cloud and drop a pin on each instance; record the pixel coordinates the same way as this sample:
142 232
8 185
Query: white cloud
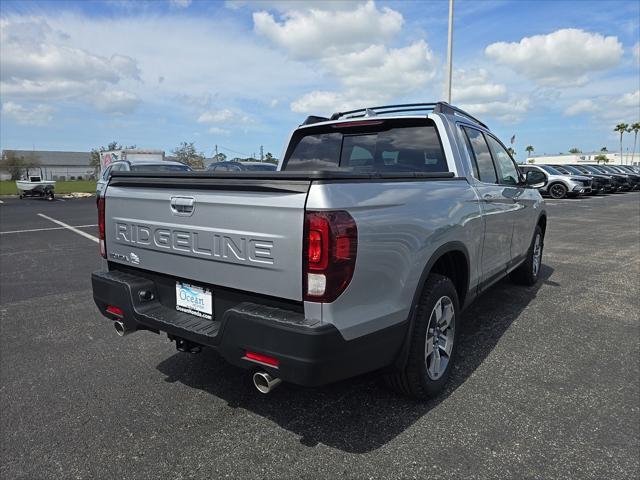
116 101
561 59
636 51
581 106
218 131
474 91
180 3
618 107
318 33
373 75
225 116
39 115
36 63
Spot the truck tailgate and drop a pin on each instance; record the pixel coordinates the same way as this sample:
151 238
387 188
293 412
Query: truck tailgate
232 233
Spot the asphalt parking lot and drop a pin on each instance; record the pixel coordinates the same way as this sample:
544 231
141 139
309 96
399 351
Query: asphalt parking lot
547 382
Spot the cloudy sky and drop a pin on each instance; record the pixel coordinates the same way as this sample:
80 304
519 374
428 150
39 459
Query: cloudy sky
240 74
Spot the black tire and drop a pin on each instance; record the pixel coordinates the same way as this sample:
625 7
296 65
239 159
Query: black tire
528 273
415 380
557 191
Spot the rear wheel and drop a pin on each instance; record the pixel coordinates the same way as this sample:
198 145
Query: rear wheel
529 271
557 191
432 347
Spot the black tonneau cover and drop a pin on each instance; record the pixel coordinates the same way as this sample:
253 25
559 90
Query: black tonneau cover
265 181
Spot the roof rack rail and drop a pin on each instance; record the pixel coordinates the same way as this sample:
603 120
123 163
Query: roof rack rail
439 107
444 107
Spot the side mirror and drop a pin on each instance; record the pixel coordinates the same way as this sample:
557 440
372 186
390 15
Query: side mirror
535 179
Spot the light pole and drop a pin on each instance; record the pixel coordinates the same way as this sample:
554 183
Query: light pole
450 52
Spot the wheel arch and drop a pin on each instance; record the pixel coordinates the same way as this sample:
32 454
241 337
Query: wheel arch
449 257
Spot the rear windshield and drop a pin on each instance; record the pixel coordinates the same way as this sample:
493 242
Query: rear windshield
160 168
384 146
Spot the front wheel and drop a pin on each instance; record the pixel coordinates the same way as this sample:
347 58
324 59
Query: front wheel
432 347
557 191
529 271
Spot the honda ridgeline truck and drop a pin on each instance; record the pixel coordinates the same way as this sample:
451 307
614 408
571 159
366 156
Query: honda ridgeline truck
359 254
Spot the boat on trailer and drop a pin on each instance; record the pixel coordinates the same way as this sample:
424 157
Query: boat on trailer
35 186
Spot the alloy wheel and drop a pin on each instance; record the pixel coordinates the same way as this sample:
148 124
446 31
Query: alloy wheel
440 337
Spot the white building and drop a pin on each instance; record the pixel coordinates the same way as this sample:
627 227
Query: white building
586 157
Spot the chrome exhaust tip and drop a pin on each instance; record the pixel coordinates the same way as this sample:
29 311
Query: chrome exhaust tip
121 329
264 382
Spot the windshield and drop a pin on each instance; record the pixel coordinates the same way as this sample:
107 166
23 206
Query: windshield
570 169
141 167
550 170
375 146
591 169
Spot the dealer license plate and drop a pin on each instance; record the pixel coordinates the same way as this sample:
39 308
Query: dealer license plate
194 300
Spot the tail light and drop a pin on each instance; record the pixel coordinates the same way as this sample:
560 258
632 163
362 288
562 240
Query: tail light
330 248
103 249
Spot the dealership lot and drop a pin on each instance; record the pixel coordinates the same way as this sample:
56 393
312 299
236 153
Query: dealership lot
546 384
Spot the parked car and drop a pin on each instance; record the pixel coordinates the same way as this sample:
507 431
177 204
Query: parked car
560 185
138 166
632 177
621 182
599 183
242 167
358 256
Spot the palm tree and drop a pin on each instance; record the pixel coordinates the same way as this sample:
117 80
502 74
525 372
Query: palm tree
635 128
604 150
511 151
621 127
529 149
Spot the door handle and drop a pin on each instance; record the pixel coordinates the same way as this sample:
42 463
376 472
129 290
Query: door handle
182 206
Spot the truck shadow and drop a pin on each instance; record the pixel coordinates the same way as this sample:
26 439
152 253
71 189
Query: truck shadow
357 415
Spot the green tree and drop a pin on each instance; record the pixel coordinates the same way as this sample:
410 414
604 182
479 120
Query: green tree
94 161
601 158
269 158
529 150
16 164
186 153
621 128
219 157
575 150
635 128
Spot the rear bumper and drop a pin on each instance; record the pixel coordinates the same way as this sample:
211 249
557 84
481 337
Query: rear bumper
309 353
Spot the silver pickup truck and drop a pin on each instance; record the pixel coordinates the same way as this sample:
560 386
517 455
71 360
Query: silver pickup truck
359 254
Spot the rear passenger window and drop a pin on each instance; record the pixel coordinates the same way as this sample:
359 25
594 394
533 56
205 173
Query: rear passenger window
482 156
380 147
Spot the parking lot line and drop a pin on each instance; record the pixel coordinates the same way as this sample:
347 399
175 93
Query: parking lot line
45 229
69 227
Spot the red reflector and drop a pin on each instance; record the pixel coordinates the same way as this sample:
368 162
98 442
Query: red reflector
115 311
258 357
103 250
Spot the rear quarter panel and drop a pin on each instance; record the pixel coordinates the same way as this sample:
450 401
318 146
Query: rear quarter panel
400 226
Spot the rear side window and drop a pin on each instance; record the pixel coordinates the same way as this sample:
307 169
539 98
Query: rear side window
410 146
482 156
